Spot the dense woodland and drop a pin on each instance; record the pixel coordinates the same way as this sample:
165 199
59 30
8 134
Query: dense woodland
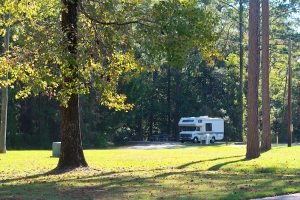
177 69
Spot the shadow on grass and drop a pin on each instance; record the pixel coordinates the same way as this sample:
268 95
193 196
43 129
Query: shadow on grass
50 173
135 185
160 183
200 161
220 165
59 172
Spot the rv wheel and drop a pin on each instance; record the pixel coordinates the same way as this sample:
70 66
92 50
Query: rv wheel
195 140
213 139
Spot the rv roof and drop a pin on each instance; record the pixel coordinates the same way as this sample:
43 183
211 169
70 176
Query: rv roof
201 117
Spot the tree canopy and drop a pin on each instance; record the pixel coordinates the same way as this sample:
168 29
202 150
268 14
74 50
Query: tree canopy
112 35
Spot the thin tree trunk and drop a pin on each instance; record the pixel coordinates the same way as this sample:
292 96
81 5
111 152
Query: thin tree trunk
169 99
284 107
252 120
71 143
241 38
177 103
266 139
4 100
290 95
140 127
151 117
151 121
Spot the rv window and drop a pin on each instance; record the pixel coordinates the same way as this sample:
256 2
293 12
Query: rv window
208 127
199 121
198 129
188 128
188 120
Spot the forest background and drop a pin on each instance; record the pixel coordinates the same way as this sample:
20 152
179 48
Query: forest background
161 93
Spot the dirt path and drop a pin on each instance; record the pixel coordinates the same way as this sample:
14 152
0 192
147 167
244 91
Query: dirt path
178 145
283 197
160 145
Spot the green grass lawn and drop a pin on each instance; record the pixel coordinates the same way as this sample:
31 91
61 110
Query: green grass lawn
213 172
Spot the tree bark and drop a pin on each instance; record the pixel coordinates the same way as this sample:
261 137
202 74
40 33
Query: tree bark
3 129
241 86
253 68
290 95
71 143
4 99
266 139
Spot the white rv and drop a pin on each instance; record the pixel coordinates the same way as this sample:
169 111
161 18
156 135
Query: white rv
196 129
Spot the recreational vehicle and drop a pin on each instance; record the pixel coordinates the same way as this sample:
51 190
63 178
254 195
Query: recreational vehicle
197 129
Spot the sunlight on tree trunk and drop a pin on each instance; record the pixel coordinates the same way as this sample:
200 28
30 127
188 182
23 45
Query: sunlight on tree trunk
241 38
266 137
290 95
4 100
253 68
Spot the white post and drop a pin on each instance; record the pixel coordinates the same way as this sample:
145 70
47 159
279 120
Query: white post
207 139
56 149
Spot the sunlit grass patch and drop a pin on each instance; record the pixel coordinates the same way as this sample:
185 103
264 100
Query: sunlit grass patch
213 172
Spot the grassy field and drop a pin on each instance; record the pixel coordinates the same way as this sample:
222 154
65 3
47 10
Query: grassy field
213 172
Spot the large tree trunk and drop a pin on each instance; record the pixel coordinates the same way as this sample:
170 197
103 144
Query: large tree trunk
4 100
252 135
266 139
71 143
290 95
241 89
71 149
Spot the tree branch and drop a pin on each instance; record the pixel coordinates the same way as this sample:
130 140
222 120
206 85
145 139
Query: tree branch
140 21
